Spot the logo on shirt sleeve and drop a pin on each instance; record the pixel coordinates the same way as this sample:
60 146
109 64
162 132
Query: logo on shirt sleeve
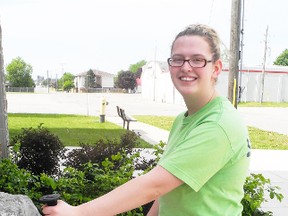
249 147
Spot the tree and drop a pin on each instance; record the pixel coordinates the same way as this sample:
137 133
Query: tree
68 85
4 132
126 80
90 79
282 59
66 82
19 73
135 67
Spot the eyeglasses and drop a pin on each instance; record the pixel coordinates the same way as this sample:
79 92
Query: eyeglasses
195 63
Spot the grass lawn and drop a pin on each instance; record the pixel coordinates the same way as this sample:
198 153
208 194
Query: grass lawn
71 129
75 129
260 139
264 104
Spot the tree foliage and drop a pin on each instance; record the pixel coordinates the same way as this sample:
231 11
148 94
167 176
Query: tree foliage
135 67
66 82
282 59
126 80
68 85
19 73
90 79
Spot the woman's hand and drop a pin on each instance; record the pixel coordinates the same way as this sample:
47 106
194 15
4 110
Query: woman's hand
61 209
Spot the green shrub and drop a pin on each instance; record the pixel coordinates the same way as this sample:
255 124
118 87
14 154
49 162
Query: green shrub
98 169
104 149
17 181
254 195
13 179
38 150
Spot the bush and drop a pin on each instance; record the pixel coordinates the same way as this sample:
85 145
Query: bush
98 169
18 181
38 151
104 149
94 180
254 195
13 180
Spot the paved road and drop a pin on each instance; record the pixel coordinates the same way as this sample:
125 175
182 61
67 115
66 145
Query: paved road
271 119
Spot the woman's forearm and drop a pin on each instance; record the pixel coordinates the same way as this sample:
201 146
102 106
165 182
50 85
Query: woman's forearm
154 210
128 196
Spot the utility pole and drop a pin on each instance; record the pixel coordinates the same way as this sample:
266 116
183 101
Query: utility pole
154 72
241 89
48 83
264 67
62 78
234 52
4 133
56 83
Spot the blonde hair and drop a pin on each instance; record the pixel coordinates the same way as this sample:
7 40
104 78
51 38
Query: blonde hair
208 33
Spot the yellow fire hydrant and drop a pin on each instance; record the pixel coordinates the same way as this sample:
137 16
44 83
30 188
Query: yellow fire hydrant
103 104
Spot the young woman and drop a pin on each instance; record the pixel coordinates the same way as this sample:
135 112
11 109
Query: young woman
206 160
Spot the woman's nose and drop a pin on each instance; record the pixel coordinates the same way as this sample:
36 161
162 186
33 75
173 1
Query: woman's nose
187 67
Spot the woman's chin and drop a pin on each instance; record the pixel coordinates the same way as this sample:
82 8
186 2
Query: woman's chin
186 91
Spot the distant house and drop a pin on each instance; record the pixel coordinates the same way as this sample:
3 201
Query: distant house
102 79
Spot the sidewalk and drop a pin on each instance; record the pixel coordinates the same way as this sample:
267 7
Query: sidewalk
271 164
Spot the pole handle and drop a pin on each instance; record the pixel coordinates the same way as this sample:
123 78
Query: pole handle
50 199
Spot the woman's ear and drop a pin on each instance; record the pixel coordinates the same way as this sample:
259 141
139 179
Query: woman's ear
217 68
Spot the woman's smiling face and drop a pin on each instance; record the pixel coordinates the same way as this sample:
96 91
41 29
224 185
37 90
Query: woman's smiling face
186 79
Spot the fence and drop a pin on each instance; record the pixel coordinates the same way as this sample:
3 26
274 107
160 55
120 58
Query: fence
98 90
19 89
274 90
45 90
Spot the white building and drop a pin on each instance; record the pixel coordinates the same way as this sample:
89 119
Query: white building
156 83
103 79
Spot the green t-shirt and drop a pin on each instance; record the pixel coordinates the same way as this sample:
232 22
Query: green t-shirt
210 152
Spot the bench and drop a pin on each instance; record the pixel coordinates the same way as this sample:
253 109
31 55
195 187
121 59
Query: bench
124 117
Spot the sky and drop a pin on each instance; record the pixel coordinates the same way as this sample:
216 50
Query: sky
57 36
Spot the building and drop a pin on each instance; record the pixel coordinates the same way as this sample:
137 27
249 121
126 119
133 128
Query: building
156 83
103 79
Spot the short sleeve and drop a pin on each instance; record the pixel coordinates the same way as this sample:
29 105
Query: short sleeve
199 155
